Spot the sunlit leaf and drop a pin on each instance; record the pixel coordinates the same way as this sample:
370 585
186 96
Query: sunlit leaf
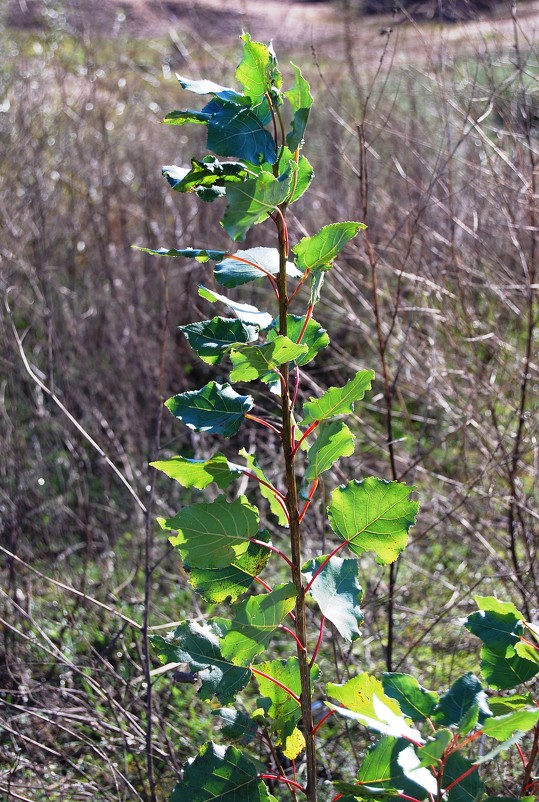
244 266
245 312
338 593
314 336
257 71
216 408
199 473
381 768
430 754
214 534
497 624
301 100
220 774
503 727
252 201
253 361
200 254
338 400
207 178
264 490
500 705
198 646
334 440
373 515
255 621
415 701
217 585
211 339
205 87
321 249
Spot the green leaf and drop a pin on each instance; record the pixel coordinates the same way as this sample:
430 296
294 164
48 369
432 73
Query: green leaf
415 701
199 254
301 100
430 754
256 620
301 181
338 400
364 700
321 249
207 178
198 645
199 473
214 534
211 339
253 361
506 672
528 652
252 201
205 87
217 585
245 312
239 132
470 788
373 515
338 593
187 116
283 708
257 71
237 726
382 768
353 792
220 774
216 409
334 440
265 491
244 266
466 692
314 336
503 727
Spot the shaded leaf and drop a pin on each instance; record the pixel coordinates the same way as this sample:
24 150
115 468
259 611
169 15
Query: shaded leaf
252 201
198 645
314 337
253 361
497 624
245 312
220 774
211 339
415 701
219 584
506 672
338 400
334 440
338 593
216 408
255 621
373 515
207 178
381 768
244 266
321 249
470 788
199 473
501 705
200 254
237 725
301 100
214 534
465 693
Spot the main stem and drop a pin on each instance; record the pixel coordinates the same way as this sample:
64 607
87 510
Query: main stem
287 435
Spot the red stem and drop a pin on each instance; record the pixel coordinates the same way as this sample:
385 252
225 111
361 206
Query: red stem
308 431
306 323
300 284
323 565
307 504
319 641
462 777
257 267
529 643
322 721
281 779
264 584
272 548
465 742
276 682
262 422
291 632
296 386
262 482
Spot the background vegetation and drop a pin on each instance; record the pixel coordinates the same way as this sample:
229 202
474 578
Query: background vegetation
429 136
